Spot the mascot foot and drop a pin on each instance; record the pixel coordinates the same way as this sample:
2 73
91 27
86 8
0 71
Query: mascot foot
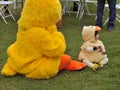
37 75
101 65
95 66
75 65
8 71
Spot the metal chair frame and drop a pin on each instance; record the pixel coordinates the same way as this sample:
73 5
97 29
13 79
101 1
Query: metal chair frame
117 15
67 5
3 8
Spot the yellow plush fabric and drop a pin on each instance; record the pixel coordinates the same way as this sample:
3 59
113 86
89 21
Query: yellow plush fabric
88 33
89 41
37 50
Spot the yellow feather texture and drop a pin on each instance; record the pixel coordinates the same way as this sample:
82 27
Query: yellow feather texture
39 46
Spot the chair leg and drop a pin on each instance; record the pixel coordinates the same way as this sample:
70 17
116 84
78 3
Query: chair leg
4 15
11 14
3 18
22 3
65 8
118 18
105 21
68 5
79 4
81 12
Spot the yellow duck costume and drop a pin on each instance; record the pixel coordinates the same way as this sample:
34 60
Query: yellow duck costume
39 48
93 52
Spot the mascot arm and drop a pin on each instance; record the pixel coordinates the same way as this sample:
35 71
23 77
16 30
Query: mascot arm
49 44
87 47
56 46
90 47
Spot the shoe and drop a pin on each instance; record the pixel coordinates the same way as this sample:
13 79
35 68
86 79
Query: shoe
109 29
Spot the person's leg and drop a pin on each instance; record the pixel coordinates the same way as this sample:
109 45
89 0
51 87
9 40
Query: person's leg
75 6
100 10
112 14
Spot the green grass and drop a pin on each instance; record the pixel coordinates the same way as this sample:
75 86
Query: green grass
106 78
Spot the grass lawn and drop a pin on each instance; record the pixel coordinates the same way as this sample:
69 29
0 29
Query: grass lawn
106 78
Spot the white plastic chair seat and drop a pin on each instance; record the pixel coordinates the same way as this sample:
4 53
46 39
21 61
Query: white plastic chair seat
6 2
91 1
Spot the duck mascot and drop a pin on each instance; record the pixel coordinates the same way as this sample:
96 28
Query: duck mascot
38 51
93 52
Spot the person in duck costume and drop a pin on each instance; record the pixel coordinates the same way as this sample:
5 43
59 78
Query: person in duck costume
38 51
92 52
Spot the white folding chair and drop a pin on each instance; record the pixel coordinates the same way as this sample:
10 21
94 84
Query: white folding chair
117 15
94 2
68 6
5 6
16 2
85 8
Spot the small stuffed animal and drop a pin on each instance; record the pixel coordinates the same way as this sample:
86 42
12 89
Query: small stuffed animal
93 52
38 51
